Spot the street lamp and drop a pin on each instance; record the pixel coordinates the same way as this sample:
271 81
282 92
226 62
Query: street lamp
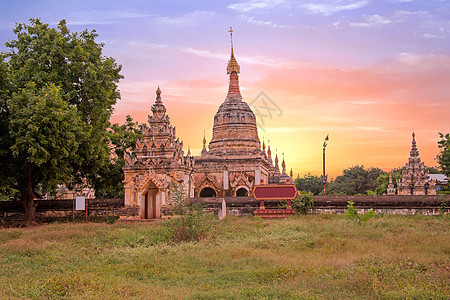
324 177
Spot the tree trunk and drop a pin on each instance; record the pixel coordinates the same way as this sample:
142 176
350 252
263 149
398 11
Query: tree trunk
27 198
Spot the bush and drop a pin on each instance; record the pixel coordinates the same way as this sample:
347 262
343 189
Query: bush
303 203
111 219
193 225
352 214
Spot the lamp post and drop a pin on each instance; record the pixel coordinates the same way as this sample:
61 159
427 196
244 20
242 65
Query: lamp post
323 177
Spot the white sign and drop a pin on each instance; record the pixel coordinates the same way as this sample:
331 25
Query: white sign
80 203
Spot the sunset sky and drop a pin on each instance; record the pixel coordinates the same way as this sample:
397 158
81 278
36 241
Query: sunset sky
368 73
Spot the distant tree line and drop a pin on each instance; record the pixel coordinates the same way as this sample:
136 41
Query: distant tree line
355 180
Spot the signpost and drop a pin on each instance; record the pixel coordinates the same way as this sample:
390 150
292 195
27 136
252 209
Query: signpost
286 192
79 204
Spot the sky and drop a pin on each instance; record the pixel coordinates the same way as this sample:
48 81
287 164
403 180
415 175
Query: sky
366 72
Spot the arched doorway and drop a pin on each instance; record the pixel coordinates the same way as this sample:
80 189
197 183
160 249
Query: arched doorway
242 192
149 207
208 192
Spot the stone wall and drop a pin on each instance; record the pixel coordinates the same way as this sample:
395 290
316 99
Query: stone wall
387 204
47 210
12 211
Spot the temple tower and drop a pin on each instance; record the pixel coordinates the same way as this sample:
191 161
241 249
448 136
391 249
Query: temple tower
234 161
390 187
234 131
415 177
157 165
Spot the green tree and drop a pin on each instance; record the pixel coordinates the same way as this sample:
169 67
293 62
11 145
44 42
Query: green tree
122 138
309 183
355 180
7 182
383 180
443 157
44 62
45 132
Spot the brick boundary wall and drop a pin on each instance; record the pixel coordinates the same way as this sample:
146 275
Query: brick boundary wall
12 211
387 204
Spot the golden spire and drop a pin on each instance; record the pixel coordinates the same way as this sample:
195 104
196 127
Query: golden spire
204 139
158 95
291 174
232 63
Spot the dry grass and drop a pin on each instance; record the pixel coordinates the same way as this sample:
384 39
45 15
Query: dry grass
318 256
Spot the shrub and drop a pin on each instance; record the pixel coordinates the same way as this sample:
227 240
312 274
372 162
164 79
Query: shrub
352 214
303 203
111 219
193 225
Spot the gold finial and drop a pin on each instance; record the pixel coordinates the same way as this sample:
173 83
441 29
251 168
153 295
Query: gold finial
232 63
158 95
204 139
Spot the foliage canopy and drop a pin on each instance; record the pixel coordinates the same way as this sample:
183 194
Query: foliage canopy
57 94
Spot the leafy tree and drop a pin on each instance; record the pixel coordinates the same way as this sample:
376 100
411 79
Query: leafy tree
383 180
355 180
65 73
433 170
7 182
309 183
443 157
122 138
46 131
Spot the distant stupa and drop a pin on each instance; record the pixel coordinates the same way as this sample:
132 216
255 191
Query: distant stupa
415 177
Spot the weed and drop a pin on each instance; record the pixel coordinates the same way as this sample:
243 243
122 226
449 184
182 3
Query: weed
302 204
351 213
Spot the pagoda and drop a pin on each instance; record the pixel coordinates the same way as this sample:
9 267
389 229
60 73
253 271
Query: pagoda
390 188
233 163
415 176
157 165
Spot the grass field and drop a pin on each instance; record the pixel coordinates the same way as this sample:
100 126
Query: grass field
305 257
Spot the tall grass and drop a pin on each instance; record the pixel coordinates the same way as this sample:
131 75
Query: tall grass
313 256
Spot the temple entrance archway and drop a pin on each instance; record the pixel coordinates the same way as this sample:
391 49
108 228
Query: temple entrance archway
150 206
242 192
208 192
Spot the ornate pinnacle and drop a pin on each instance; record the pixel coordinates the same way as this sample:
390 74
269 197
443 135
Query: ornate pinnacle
158 95
232 63
414 151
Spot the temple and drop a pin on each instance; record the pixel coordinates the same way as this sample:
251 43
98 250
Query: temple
157 166
415 176
232 163
390 188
